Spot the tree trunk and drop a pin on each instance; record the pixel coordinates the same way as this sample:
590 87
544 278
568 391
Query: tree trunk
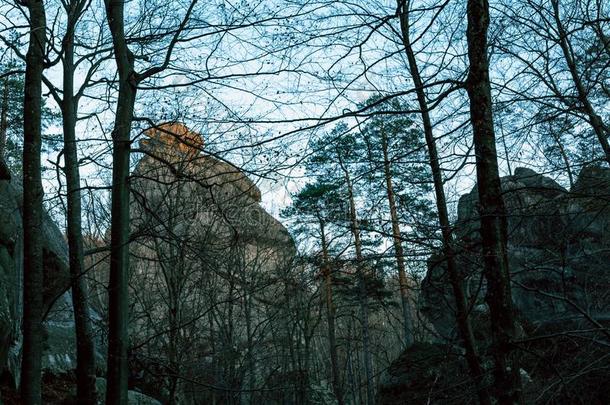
117 371
174 312
363 295
213 393
398 251
5 173
330 317
85 346
491 207
600 129
250 367
31 365
4 118
455 277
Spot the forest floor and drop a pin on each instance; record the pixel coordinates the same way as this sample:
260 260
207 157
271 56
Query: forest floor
56 390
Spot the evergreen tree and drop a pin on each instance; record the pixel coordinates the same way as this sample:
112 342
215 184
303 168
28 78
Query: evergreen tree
11 117
313 209
395 156
11 114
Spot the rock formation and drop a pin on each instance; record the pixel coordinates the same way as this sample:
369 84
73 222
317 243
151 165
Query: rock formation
56 274
558 246
199 235
559 251
182 199
59 357
200 193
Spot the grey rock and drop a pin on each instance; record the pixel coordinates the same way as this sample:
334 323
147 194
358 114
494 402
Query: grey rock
558 252
424 373
56 272
133 397
558 248
60 339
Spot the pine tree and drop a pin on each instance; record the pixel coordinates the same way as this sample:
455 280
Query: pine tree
313 210
395 159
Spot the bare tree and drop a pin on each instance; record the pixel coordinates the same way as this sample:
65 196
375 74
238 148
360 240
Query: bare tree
491 208
31 373
85 345
129 79
456 279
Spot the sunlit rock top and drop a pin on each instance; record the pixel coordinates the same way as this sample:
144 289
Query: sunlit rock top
174 144
174 137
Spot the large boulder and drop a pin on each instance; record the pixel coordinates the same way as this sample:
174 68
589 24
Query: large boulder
60 339
425 373
557 368
199 192
133 397
558 249
558 252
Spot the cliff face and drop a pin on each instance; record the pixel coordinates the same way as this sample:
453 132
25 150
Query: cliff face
56 281
196 222
559 251
201 243
198 195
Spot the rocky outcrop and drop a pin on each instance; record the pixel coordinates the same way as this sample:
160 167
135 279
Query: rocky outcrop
133 397
558 247
560 370
56 275
425 373
200 241
194 217
205 188
559 251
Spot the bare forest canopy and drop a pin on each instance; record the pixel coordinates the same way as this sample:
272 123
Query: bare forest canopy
304 202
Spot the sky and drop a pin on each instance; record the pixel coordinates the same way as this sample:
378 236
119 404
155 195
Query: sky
253 89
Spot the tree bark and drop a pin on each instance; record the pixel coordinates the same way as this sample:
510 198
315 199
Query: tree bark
4 117
116 388
5 173
492 211
85 346
31 365
330 317
455 277
398 251
117 371
600 129
363 295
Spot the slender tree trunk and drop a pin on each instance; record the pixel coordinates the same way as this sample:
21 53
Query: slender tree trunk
174 311
398 251
85 346
330 317
455 277
117 371
31 365
232 396
291 329
565 159
118 339
363 295
249 337
306 367
358 378
596 122
355 387
212 340
5 173
491 208
4 117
